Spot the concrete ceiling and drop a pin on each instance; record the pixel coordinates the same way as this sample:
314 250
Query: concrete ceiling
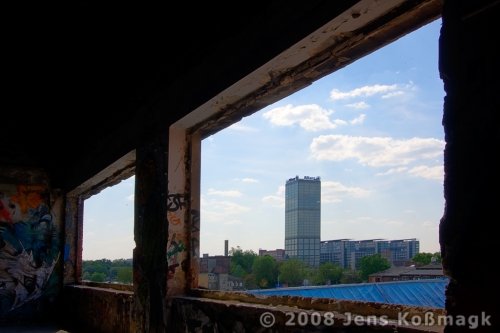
88 81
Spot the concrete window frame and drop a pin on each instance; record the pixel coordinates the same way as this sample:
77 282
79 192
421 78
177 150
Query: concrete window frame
335 45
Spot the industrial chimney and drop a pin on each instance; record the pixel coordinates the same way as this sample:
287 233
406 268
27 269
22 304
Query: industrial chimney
226 247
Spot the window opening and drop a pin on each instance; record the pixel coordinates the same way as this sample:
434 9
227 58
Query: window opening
108 234
372 134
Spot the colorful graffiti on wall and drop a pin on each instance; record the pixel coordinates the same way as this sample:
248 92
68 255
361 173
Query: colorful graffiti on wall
176 208
29 250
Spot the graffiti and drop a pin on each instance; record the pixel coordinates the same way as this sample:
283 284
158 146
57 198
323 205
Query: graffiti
29 247
10 212
171 268
195 233
195 220
176 249
173 251
176 201
195 247
173 219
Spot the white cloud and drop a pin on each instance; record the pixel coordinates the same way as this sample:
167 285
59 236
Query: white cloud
409 211
363 91
310 117
364 218
375 151
436 172
233 222
281 190
395 223
392 94
219 210
274 200
333 191
348 170
249 180
429 225
225 193
228 207
358 120
358 105
131 197
243 128
329 222
391 171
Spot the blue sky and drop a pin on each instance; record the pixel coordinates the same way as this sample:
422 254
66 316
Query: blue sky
372 131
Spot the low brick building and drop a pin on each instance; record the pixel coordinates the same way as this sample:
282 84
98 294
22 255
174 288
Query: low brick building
394 273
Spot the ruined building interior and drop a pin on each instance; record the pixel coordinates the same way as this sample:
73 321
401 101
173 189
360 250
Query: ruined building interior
99 92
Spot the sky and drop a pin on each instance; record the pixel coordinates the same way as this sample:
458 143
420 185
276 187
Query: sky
372 131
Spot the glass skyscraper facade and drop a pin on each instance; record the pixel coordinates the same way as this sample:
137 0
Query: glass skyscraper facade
303 219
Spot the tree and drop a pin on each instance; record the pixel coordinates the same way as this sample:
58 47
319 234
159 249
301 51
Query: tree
113 272
292 271
263 269
425 257
372 264
125 275
350 276
86 276
250 282
328 272
121 263
92 266
238 271
98 277
244 259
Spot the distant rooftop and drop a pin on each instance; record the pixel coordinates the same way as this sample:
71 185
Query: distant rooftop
318 178
429 293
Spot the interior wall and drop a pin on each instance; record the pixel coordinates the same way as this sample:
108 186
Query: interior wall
31 246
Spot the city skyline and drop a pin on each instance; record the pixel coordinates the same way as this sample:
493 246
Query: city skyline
371 130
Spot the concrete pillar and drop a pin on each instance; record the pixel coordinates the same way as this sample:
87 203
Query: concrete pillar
469 67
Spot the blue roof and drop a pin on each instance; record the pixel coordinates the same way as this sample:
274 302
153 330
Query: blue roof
428 293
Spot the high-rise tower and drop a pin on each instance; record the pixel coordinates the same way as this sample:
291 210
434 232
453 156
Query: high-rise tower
303 219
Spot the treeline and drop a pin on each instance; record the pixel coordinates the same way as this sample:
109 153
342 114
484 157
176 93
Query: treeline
105 270
266 272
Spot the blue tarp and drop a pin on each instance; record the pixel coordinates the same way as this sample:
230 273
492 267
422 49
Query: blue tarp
419 293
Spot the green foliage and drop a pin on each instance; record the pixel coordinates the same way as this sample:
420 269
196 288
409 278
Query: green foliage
113 272
328 271
121 263
293 271
238 271
250 282
262 268
125 275
86 276
97 277
350 276
243 259
372 264
425 257
104 266
276 270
